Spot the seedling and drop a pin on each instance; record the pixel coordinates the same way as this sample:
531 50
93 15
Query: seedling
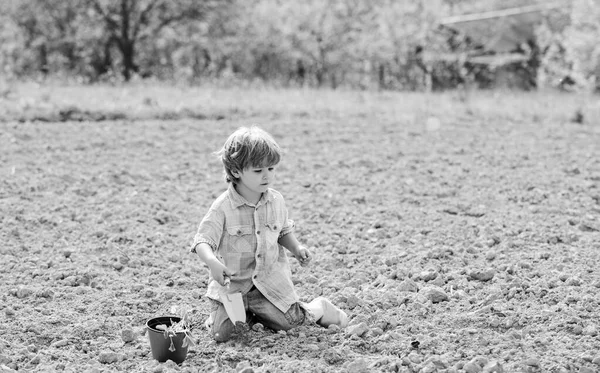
184 325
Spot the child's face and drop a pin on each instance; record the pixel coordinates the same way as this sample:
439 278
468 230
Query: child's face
254 181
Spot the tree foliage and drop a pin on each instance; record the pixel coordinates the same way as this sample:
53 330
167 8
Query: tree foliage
384 44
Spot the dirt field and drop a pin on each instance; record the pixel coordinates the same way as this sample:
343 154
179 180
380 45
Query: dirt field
461 234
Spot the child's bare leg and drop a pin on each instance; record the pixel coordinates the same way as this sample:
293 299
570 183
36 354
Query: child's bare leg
326 313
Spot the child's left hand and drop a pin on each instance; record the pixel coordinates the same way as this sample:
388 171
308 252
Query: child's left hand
303 256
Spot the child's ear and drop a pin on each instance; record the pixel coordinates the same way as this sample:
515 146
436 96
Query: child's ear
235 174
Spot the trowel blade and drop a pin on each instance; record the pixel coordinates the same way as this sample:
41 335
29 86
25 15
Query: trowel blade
234 305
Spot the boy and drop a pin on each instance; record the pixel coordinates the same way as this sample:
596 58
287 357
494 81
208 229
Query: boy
242 239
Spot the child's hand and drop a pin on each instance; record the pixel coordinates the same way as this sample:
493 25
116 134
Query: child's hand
220 273
303 256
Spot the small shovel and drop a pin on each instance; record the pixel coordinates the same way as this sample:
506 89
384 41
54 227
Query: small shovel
234 306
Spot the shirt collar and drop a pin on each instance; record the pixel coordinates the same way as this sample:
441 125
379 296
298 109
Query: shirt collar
237 200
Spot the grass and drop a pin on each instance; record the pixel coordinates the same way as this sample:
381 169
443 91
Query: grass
142 101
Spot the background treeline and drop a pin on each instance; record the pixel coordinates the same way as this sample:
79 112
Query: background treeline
384 44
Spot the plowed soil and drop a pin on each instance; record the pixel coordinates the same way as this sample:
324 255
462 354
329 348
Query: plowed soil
459 234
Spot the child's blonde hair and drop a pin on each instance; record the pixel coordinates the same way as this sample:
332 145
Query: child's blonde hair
248 147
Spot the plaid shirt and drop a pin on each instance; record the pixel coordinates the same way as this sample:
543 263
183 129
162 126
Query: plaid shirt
244 238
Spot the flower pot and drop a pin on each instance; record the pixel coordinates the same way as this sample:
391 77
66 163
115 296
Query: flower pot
160 343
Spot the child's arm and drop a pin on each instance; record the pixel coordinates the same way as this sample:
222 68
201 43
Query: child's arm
217 269
290 242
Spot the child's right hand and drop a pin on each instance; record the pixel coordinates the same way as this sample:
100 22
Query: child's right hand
220 273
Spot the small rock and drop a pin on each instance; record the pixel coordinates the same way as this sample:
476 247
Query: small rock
244 367
8 311
408 285
482 275
493 367
258 327
358 329
434 293
128 335
532 362
586 370
590 330
415 358
333 328
490 256
428 368
352 302
357 366
23 292
428 275
377 331
311 279
472 367
577 329
60 343
333 356
596 360
108 357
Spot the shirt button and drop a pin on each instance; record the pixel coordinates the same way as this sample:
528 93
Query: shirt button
254 277
257 232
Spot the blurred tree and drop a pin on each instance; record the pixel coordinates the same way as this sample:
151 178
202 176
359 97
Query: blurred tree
129 22
582 45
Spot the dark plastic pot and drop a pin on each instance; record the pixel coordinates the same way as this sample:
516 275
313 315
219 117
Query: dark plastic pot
159 343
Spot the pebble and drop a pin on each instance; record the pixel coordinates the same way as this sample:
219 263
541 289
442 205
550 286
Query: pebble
244 367
482 275
434 293
472 367
352 302
590 330
23 292
357 366
586 370
258 327
60 343
108 357
377 331
8 311
532 362
490 256
358 329
493 367
128 335
415 358
408 285
428 275
333 328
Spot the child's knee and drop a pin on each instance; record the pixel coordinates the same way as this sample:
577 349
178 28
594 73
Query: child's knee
223 332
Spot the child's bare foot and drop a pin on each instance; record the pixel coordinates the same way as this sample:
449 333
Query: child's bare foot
210 321
328 314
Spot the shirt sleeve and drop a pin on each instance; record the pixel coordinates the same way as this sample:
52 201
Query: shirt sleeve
210 229
288 224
